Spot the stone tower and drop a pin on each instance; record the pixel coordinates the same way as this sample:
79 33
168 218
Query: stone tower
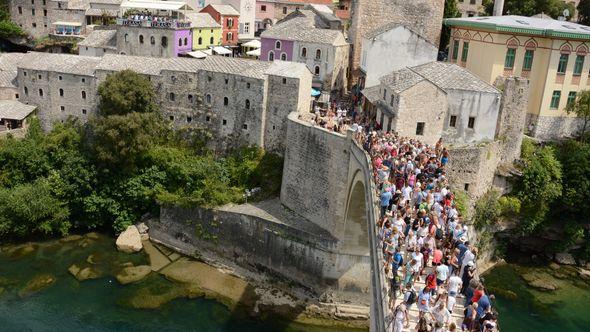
423 16
511 119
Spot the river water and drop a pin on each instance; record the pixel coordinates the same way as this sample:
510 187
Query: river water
38 294
523 308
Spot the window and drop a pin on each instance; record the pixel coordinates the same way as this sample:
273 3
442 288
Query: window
34 25
225 101
171 117
509 60
83 94
316 70
185 41
466 187
20 10
208 98
141 39
152 40
562 67
189 119
211 41
84 111
172 96
471 122
455 49
16 95
247 85
278 45
230 22
62 108
284 80
179 41
164 41
61 92
32 2
245 126
555 100
420 128
33 11
263 8
83 80
571 97
226 81
224 122
465 51
579 65
190 99
208 118
126 37
40 92
318 54
284 57
528 60
247 104
229 36
200 41
271 56
26 91
284 10
39 76
24 73
453 121
247 27
304 52
44 12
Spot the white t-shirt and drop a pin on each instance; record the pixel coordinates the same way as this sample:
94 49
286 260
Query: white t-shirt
418 257
442 272
454 284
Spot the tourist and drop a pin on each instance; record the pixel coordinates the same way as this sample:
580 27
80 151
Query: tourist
441 315
400 318
470 321
424 301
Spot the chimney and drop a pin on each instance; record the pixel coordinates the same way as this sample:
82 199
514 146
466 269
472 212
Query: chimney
498 7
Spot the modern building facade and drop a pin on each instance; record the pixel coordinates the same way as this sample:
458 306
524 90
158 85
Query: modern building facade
228 17
551 54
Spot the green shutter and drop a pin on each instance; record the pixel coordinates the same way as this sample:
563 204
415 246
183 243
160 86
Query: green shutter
571 97
579 65
509 61
528 60
563 59
455 49
555 100
465 51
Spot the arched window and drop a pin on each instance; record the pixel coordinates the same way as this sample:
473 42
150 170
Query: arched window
83 94
318 54
164 41
225 101
278 45
172 96
304 52
316 70
190 99
141 39
40 92
26 91
126 38
271 56
152 40
185 41
208 98
61 92
200 40
179 41
211 41
229 36
283 56
247 104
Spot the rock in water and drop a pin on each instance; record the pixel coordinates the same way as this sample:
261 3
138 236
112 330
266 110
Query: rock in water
82 274
36 284
565 258
133 274
130 240
584 274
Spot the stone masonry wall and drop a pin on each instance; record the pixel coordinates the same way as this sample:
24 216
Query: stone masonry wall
128 41
548 128
511 119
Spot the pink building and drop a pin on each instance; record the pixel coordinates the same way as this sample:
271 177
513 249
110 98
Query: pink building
269 12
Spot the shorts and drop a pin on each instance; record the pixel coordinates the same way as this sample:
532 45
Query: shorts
439 282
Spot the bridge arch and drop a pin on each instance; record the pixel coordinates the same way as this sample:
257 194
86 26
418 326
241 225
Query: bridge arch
356 234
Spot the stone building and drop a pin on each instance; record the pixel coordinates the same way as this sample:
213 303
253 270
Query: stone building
314 39
240 101
403 46
551 53
98 43
436 100
470 8
269 12
8 87
424 16
228 17
247 13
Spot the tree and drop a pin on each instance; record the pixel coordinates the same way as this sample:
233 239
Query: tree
126 92
581 108
553 8
584 12
451 11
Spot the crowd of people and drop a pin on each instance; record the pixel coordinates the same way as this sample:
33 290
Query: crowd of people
428 258
338 117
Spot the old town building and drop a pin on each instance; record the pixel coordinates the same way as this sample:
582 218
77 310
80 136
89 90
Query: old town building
228 17
269 12
470 8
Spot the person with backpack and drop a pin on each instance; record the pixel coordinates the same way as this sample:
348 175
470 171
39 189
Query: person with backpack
399 319
410 296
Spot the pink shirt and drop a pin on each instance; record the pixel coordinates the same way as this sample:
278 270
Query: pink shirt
437 256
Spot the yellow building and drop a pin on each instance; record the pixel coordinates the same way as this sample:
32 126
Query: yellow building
206 32
551 54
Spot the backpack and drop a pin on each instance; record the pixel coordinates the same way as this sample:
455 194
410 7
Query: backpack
439 234
411 298
398 261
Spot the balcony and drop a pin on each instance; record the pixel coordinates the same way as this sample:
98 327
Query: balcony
154 22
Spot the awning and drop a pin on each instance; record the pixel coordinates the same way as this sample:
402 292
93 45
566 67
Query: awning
315 93
14 110
255 52
197 54
208 52
70 24
255 43
221 50
155 4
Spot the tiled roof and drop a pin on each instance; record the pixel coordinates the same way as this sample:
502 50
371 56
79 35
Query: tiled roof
389 26
372 94
142 65
107 2
242 67
288 69
8 69
302 28
401 80
100 38
225 10
449 76
78 4
14 110
61 63
201 20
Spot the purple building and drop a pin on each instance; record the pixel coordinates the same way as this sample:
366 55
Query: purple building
276 49
184 41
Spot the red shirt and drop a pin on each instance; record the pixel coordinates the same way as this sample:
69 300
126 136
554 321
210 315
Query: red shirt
477 294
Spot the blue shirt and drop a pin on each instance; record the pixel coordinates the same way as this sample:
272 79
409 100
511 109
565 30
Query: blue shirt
483 305
385 198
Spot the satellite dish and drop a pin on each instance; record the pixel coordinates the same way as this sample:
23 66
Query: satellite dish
566 12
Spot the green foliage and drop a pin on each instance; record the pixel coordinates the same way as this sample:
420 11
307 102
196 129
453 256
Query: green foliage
584 12
451 10
126 92
575 157
462 203
553 8
527 148
581 108
491 208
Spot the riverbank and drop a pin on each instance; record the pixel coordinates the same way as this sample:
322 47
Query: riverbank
50 274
